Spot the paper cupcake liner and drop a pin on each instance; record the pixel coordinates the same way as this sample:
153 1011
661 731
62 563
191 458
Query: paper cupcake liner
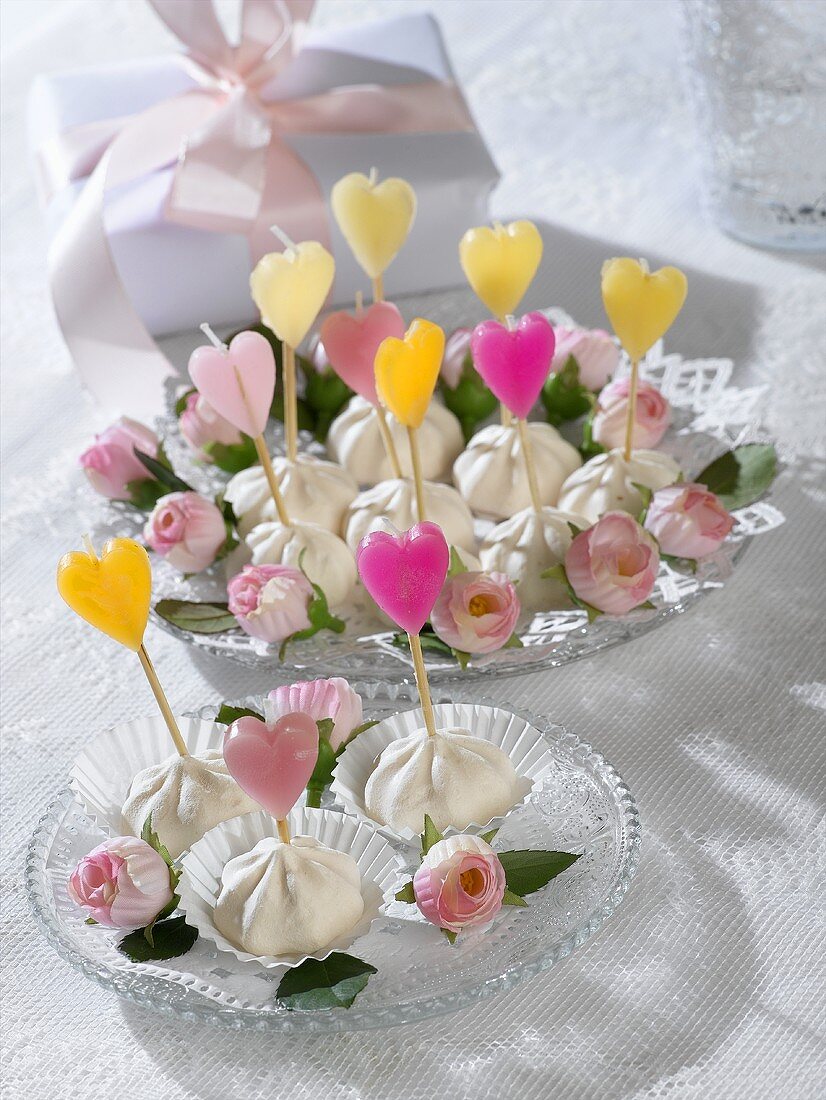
381 872
103 773
517 738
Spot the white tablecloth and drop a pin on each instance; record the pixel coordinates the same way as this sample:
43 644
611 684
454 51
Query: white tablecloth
709 981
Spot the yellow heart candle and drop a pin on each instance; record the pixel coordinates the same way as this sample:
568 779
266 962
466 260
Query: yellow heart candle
406 375
112 593
289 288
642 306
375 220
500 263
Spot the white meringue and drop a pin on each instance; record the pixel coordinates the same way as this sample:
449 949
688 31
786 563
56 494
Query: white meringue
491 474
186 796
314 491
395 501
456 778
606 482
326 559
284 899
525 545
355 441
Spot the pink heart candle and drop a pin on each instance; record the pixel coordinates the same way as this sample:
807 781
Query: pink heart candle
404 573
351 342
514 363
238 381
272 762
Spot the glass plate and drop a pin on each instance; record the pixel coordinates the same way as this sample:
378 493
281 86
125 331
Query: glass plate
710 416
581 805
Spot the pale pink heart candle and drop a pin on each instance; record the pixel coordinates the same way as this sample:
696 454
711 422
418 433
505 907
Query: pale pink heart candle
351 342
404 573
272 762
514 362
238 381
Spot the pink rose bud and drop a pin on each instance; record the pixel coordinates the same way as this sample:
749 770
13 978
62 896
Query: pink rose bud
594 350
457 348
111 463
614 564
186 529
687 520
333 698
270 601
653 415
476 612
200 424
460 883
123 883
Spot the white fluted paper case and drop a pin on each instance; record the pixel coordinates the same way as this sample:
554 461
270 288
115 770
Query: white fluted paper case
380 868
521 742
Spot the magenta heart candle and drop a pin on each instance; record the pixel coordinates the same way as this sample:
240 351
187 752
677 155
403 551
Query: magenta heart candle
272 762
404 573
351 343
514 363
238 381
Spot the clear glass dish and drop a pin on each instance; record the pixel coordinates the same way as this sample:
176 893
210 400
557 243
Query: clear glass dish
581 805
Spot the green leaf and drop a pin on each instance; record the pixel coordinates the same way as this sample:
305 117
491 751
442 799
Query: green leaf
488 836
359 729
171 938
407 893
428 639
456 564
161 470
90 920
322 775
509 898
462 657
555 573
227 715
334 982
589 446
514 642
145 493
740 477
233 457
564 396
150 837
451 936
320 616
471 401
199 618
181 403
527 871
430 836
678 563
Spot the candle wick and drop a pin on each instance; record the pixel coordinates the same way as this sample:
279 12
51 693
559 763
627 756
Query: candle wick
89 547
510 321
373 178
213 339
644 265
287 241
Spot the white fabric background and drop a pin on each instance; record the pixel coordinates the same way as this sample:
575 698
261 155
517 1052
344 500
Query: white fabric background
709 981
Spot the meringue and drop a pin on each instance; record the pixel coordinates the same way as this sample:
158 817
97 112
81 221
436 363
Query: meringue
394 502
314 491
286 899
355 441
491 474
456 778
186 796
606 482
525 545
326 559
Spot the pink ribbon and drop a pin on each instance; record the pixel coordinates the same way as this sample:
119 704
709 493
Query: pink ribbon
234 172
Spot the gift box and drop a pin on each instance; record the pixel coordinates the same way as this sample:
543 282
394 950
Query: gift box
160 176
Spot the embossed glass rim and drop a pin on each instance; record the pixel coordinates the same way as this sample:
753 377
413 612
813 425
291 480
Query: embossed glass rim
171 999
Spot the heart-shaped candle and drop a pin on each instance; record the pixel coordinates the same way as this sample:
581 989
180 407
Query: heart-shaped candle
290 288
375 218
239 381
514 362
499 263
407 371
351 343
641 304
112 591
404 573
272 762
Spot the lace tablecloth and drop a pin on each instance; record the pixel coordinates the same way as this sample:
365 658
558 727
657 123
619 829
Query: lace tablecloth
709 981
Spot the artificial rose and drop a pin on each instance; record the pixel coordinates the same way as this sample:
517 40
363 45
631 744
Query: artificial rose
652 417
613 565
111 463
687 520
200 425
457 349
460 883
596 354
333 698
123 883
186 529
476 612
270 601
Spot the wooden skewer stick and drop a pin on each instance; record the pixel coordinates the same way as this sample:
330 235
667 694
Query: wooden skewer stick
418 483
283 830
530 465
631 416
421 683
162 701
